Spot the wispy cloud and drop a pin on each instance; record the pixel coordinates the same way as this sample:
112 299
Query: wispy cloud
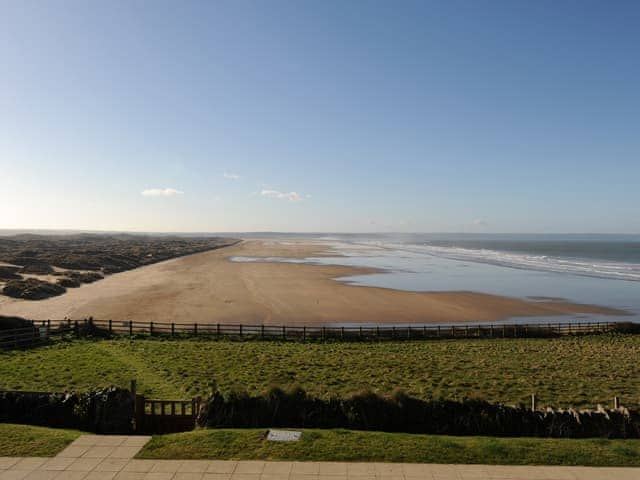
161 192
481 222
291 196
231 176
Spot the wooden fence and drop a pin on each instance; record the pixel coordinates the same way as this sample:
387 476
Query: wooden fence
37 334
165 416
49 330
352 333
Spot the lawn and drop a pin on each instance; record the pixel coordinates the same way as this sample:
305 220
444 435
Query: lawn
563 372
28 441
345 445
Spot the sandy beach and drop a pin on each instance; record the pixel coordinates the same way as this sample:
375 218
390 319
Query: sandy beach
209 288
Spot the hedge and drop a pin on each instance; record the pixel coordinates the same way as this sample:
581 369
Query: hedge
108 410
401 413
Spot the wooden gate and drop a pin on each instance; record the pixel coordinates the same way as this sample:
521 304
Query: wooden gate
165 416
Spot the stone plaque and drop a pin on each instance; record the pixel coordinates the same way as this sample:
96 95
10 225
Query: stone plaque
283 436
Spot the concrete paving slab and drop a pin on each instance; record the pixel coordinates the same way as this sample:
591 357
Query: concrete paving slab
92 457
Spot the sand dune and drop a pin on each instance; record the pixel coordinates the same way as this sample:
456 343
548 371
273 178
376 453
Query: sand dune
208 288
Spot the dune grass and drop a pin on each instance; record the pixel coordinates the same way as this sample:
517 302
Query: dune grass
29 441
346 445
572 371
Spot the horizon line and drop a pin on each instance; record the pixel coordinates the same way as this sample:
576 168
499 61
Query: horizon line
282 232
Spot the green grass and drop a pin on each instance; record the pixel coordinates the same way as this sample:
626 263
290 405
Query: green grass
345 445
28 441
571 371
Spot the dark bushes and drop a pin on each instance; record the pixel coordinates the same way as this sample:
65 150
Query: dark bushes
108 410
72 279
68 283
87 277
36 267
9 273
10 323
32 289
626 327
401 413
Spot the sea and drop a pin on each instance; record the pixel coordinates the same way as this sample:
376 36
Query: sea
593 269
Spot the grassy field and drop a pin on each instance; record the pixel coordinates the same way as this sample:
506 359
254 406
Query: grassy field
345 445
28 441
563 372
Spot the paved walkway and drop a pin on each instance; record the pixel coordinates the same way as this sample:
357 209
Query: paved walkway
95 457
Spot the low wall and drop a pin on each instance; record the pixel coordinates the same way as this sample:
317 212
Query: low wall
108 410
401 413
111 410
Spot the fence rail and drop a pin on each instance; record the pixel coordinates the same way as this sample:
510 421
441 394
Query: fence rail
380 332
49 330
36 334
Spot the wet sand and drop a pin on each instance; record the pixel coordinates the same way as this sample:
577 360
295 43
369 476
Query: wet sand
208 288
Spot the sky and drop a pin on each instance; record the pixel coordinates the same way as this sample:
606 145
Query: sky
320 116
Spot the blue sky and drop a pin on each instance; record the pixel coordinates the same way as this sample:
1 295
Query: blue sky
477 116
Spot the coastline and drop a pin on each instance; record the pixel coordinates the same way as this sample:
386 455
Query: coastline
208 287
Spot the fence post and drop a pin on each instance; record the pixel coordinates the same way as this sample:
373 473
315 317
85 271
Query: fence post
110 327
76 327
616 402
284 332
133 397
393 332
324 333
217 329
130 328
262 331
150 328
195 329
139 413
342 333
533 402
438 331
173 329
198 403
377 332
304 334
240 330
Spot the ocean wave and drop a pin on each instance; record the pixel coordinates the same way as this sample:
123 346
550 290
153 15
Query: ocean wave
546 263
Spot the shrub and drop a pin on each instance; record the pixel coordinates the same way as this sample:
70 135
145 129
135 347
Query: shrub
108 410
36 267
68 282
402 413
32 289
10 323
9 273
